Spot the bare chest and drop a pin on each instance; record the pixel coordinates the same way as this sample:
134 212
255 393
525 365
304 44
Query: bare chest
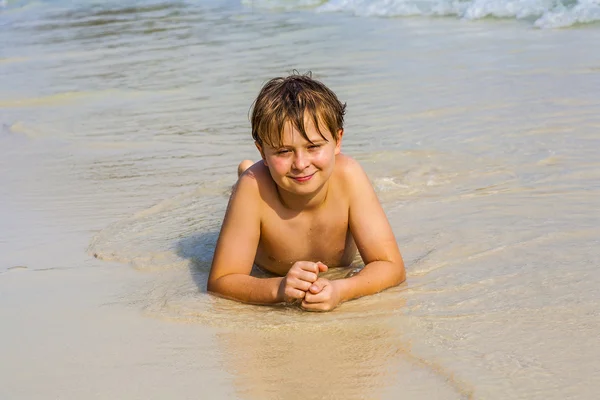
320 236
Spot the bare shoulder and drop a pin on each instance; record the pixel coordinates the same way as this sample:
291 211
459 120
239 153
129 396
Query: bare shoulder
346 163
256 179
256 173
350 173
256 176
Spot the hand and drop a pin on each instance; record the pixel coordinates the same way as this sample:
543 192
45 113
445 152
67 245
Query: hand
299 279
323 295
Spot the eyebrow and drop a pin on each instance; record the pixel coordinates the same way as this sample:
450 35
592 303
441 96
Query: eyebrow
321 141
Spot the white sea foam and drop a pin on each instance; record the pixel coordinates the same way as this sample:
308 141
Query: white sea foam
480 139
283 5
542 13
585 11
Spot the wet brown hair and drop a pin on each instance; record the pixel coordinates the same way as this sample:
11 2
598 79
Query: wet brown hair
288 100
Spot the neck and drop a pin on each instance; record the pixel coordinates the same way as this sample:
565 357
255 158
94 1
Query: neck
303 203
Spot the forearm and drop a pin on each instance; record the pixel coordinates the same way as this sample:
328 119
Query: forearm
373 278
247 289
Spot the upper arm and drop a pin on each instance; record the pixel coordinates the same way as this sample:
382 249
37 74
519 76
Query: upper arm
240 232
368 223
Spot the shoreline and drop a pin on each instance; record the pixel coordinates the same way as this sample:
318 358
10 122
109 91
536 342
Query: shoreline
480 139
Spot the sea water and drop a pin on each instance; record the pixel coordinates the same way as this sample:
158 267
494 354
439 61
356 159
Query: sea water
122 124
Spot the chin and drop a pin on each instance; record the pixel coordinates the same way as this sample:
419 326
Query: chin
305 189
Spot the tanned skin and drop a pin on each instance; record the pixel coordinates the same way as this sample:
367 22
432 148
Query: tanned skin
305 207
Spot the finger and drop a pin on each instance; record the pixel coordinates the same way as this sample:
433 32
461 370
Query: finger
315 306
307 276
299 284
317 286
293 293
322 296
322 267
309 266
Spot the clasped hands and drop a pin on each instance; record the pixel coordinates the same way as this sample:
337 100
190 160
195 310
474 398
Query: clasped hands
302 283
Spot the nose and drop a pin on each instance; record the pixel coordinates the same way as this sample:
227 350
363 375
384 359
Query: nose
301 161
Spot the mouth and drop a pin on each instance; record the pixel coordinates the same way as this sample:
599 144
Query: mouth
304 178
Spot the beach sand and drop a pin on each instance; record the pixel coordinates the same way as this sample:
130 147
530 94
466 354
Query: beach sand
120 132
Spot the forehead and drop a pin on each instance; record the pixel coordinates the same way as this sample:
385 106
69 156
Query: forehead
292 135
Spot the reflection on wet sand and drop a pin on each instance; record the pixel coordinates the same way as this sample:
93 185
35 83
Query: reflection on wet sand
332 358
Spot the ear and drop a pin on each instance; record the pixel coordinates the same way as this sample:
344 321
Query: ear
338 144
261 151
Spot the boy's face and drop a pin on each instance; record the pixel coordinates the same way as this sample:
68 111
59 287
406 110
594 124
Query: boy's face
299 166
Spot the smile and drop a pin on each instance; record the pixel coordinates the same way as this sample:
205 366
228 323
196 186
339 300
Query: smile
302 178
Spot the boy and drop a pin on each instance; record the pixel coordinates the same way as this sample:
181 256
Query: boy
303 208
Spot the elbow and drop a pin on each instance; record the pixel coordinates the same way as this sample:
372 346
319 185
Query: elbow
218 285
402 277
398 279
212 285
401 274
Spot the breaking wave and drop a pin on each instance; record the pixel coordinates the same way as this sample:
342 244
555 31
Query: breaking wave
541 13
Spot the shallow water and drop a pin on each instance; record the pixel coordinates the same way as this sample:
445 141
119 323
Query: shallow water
122 126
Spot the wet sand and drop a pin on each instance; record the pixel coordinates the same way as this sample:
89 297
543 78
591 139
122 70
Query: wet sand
121 129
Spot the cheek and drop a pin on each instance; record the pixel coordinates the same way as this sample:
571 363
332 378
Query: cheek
279 164
323 157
